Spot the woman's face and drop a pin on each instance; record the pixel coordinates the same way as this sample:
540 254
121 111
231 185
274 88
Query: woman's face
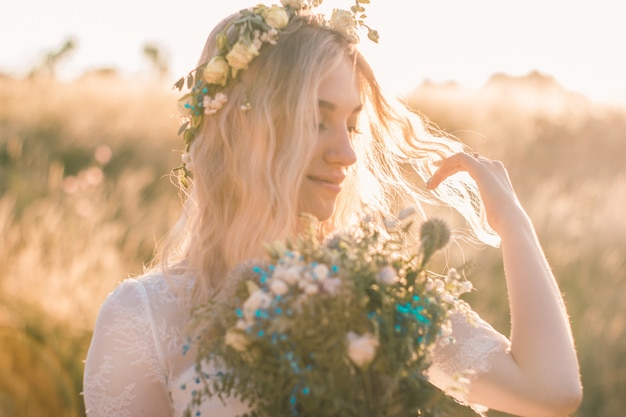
339 105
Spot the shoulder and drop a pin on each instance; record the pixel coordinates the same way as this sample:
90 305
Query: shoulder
150 290
145 304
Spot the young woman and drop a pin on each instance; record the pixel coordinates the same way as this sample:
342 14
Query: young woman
287 118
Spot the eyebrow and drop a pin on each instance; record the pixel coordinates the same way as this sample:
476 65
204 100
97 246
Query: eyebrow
331 106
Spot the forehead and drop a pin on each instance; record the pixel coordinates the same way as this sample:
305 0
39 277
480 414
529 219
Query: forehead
340 87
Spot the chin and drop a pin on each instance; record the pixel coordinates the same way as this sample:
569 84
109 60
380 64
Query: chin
321 211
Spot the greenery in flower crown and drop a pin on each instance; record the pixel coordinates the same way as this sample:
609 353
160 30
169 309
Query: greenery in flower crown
255 27
338 328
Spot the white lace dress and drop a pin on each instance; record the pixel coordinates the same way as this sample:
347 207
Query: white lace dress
140 363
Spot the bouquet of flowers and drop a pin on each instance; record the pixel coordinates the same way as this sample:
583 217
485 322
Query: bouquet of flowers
343 327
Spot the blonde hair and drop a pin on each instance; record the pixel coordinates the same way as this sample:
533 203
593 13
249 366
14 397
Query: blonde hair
248 165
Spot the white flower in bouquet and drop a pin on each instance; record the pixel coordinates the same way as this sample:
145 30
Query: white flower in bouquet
311 289
388 275
259 299
236 339
288 274
331 285
278 286
320 271
362 348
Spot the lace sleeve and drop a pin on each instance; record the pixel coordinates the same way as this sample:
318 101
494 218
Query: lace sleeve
456 364
124 372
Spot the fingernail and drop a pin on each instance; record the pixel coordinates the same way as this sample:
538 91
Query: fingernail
428 182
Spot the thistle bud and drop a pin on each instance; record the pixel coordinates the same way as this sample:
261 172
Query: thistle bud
434 235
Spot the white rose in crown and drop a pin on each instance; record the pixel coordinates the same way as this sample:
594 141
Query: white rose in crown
342 21
216 71
276 17
240 56
186 158
296 4
213 104
362 348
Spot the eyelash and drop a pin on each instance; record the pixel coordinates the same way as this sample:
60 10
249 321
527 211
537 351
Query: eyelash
353 130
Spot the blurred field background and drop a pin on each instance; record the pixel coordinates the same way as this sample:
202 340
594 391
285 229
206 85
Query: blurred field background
85 194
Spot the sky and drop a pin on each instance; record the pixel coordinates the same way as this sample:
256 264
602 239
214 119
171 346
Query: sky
580 43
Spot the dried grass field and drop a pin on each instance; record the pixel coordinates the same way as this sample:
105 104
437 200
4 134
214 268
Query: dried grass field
85 194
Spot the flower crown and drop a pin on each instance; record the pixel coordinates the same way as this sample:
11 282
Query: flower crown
255 27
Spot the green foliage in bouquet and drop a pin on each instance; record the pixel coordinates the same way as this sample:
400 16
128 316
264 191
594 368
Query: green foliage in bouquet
343 327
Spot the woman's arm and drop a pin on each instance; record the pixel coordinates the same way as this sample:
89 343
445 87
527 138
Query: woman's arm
539 376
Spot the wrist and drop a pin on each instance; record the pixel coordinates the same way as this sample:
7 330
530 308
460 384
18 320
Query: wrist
512 220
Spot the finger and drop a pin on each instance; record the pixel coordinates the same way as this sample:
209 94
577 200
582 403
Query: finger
474 155
449 166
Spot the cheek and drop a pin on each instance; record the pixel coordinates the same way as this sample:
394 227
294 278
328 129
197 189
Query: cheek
316 200
306 196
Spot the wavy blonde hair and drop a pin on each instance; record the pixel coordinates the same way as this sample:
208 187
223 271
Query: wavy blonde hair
249 165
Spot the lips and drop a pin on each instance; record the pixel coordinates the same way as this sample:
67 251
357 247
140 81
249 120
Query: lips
330 182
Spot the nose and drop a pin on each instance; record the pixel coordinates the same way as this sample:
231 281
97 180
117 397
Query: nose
339 149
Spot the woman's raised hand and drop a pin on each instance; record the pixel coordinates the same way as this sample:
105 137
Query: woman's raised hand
501 203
